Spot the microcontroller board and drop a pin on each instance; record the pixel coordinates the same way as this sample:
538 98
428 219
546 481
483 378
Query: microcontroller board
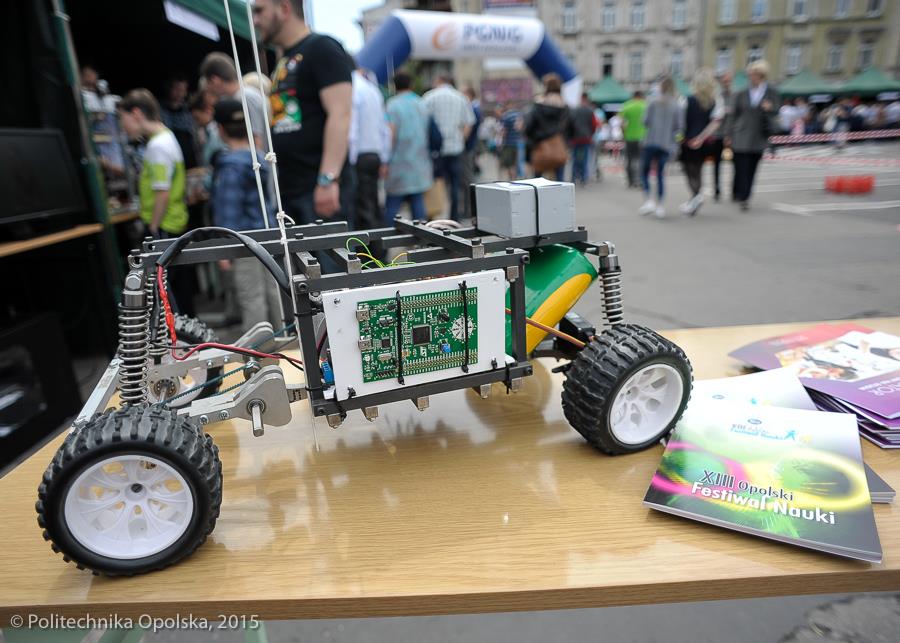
409 334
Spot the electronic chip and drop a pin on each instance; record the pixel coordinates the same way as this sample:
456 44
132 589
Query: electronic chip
385 342
421 335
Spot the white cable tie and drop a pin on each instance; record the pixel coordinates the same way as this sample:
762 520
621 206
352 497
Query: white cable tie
256 166
271 157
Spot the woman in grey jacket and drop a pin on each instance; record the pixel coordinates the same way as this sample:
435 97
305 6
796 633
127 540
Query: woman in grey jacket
664 120
750 122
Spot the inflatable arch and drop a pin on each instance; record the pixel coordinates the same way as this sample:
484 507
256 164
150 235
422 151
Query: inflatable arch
439 35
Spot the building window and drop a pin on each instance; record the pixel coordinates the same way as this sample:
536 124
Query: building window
636 66
755 53
637 15
794 59
799 9
569 17
727 11
724 60
606 66
873 7
841 8
609 15
677 66
833 61
759 10
866 55
679 14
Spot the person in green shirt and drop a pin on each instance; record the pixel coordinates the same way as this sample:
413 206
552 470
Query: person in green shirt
161 186
633 131
162 181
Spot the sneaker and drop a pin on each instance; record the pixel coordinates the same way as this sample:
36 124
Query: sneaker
648 207
660 212
696 202
745 205
685 208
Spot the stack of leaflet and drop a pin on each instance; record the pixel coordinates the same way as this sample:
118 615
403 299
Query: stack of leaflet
847 368
739 459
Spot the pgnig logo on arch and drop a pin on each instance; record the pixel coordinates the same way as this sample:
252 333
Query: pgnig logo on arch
478 37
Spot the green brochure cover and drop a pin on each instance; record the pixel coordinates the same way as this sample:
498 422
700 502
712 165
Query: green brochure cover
790 475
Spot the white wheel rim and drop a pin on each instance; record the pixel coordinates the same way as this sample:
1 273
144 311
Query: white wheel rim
128 506
646 404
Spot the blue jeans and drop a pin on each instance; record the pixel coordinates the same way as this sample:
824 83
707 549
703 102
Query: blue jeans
394 201
581 154
449 168
649 154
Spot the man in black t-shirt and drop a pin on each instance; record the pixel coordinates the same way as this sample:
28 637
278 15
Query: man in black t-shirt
311 104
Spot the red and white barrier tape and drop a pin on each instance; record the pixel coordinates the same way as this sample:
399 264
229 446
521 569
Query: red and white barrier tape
792 139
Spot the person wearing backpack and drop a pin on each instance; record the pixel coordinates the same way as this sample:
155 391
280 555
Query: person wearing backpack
547 126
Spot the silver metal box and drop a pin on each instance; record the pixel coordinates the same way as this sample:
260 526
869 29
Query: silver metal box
525 208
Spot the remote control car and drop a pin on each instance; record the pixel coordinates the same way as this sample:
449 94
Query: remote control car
137 488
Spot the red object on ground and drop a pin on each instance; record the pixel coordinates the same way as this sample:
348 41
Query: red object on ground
850 184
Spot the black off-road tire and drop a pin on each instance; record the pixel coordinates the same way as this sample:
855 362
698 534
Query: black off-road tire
598 373
191 330
140 430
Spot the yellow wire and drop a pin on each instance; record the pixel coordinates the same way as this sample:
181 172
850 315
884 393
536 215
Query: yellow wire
366 254
405 252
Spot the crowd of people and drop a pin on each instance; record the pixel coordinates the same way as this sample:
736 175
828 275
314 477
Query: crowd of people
344 152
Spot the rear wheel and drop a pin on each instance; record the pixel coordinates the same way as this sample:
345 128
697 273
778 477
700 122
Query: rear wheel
134 490
626 389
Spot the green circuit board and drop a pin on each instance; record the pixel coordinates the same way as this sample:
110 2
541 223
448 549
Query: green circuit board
431 335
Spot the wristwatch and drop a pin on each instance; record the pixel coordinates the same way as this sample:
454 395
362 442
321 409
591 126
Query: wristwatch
326 178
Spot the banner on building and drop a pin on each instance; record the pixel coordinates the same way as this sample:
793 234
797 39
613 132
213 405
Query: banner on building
507 90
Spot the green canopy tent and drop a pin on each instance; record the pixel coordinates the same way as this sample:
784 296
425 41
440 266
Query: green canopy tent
608 91
804 84
870 82
214 10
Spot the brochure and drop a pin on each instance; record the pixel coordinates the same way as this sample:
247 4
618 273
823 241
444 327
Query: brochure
780 387
846 361
789 475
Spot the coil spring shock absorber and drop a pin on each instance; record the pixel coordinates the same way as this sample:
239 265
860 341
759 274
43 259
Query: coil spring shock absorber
134 317
611 284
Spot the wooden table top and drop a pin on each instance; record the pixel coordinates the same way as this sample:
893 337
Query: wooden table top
471 506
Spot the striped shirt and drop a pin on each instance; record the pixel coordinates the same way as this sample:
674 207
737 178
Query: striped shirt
451 111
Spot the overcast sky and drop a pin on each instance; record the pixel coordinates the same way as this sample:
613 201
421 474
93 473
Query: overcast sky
339 18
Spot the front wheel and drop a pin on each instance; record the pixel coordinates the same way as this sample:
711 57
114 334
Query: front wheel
626 389
134 490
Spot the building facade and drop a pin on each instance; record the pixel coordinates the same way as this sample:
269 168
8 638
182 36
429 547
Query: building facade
835 39
633 41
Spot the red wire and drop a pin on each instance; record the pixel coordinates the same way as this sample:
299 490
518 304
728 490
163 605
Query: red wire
170 324
164 297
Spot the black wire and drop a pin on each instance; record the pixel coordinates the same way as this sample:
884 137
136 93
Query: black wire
293 361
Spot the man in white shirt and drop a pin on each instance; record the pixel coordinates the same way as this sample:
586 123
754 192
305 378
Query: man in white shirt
454 117
369 148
